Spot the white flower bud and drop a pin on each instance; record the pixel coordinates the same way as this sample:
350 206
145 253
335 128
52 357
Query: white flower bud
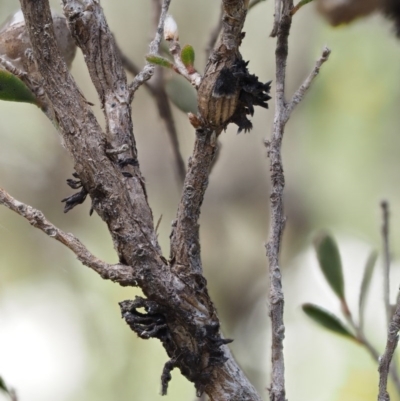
170 28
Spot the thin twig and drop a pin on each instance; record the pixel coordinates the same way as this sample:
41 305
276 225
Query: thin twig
164 109
276 298
190 75
386 281
362 339
217 29
386 258
160 96
215 33
299 5
148 70
277 17
157 89
283 110
118 273
299 94
386 358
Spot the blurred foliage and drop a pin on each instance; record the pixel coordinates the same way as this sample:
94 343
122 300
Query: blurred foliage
329 261
61 335
3 386
365 285
327 319
13 89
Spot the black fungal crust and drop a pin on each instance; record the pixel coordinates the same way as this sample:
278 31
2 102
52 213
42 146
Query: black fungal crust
252 93
231 96
193 365
77 198
127 162
226 84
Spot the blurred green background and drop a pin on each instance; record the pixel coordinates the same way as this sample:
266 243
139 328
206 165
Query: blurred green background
61 335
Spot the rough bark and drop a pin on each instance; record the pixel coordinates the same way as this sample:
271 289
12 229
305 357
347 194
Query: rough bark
178 309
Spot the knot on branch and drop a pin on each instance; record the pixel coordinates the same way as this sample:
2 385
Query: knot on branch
146 325
277 176
195 352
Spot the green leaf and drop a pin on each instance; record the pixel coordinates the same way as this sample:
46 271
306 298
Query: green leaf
303 3
368 271
330 263
327 319
254 3
187 56
158 60
3 385
13 89
182 94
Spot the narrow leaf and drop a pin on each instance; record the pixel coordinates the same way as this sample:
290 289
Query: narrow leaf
368 271
327 319
158 60
3 385
254 3
187 56
330 263
303 3
13 89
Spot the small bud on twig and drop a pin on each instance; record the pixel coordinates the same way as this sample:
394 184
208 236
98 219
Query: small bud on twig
194 120
170 29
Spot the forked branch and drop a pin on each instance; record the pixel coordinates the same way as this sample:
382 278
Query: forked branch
283 110
179 311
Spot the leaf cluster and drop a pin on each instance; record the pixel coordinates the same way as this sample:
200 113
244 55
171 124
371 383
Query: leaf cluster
330 263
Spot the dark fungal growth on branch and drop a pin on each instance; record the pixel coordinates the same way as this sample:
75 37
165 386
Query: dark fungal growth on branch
229 94
195 364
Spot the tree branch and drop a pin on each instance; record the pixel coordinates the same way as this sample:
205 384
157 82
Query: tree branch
118 273
156 87
283 21
277 17
185 245
386 258
157 90
215 33
178 309
148 69
300 93
386 358
361 337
